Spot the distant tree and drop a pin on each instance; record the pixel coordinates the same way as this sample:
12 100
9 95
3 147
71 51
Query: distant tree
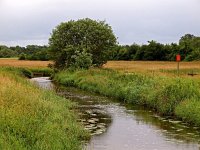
171 51
194 55
92 37
189 43
123 53
186 40
22 56
132 50
18 49
6 52
152 51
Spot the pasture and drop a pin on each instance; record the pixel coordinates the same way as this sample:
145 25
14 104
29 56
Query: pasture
13 62
166 68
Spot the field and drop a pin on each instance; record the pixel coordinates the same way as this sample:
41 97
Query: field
150 65
156 67
23 63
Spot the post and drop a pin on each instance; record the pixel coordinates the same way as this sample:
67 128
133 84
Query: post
178 59
178 68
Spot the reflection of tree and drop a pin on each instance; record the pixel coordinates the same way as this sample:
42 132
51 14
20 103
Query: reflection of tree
167 126
88 105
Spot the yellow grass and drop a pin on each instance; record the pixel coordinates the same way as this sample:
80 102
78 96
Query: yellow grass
149 65
24 63
154 67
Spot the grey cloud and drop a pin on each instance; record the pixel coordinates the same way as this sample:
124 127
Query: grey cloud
132 20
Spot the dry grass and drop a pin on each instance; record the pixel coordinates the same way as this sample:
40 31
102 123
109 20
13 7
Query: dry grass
155 67
149 65
24 63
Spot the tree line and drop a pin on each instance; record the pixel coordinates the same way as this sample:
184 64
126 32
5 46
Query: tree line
30 52
87 42
188 47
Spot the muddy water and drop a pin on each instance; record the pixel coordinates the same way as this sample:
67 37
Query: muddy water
114 126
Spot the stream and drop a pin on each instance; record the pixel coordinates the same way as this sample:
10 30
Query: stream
114 126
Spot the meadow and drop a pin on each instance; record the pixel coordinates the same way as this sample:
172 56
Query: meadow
152 84
171 96
14 62
164 68
32 118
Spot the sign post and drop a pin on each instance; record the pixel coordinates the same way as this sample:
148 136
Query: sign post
178 59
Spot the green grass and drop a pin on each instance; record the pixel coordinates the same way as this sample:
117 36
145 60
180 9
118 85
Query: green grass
32 118
29 72
10 58
194 71
163 94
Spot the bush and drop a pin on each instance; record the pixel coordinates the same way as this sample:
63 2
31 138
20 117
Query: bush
22 56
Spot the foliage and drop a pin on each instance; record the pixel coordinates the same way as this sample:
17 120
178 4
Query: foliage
95 38
194 55
82 59
34 52
22 56
5 52
31 118
188 48
31 52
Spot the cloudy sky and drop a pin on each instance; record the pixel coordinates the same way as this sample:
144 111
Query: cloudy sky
24 22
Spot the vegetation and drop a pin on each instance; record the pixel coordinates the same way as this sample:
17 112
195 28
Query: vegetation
6 52
33 52
24 63
87 44
84 41
188 47
31 118
30 52
163 68
168 96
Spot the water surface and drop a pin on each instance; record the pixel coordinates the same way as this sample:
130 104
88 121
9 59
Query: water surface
114 126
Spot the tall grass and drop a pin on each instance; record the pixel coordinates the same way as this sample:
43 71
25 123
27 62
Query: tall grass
24 63
31 118
163 94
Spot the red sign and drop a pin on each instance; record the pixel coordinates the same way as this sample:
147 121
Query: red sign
178 57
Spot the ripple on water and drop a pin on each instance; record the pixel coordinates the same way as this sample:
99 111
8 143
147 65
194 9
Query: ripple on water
128 129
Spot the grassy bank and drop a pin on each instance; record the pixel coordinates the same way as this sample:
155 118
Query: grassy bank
29 72
178 97
31 118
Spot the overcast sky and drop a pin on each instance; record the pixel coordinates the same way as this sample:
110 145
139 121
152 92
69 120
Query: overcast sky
24 22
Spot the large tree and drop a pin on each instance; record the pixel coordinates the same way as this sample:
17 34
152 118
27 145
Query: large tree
85 36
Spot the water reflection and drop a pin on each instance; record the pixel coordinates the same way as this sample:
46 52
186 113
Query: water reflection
91 109
119 127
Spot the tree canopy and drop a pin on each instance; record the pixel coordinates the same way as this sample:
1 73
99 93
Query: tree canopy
72 39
